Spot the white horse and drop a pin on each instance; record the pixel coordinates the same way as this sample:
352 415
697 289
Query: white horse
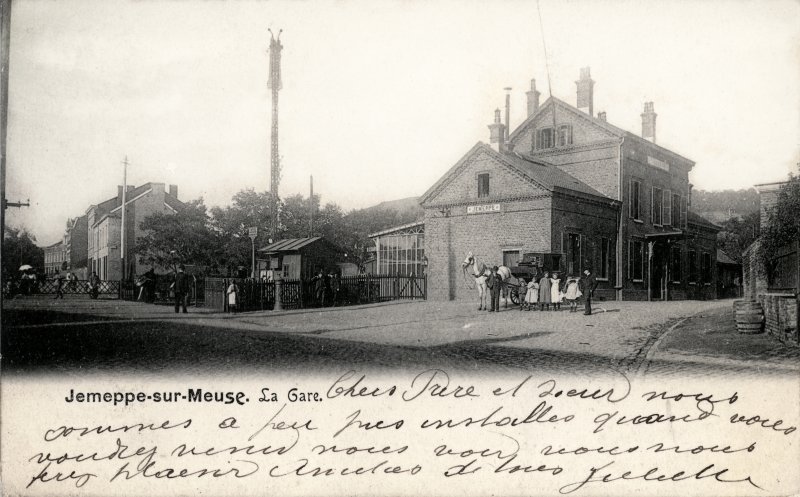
481 273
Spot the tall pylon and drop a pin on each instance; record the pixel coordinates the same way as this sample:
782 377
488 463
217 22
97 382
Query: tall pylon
275 85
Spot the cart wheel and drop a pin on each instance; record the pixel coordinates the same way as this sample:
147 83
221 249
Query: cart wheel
515 297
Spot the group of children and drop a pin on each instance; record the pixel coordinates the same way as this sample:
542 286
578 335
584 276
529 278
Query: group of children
549 291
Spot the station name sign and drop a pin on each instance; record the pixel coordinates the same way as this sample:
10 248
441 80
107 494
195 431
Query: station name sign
483 209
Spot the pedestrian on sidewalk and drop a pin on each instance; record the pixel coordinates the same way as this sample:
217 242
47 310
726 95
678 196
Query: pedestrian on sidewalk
545 294
94 286
59 279
181 288
494 283
233 296
573 293
588 284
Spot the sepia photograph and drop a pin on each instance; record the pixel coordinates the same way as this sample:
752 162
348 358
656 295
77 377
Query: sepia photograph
534 247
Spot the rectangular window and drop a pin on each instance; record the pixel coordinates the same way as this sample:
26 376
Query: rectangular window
636 260
655 206
692 266
635 197
676 210
544 138
483 185
707 268
675 265
564 135
573 253
511 258
684 216
605 258
667 208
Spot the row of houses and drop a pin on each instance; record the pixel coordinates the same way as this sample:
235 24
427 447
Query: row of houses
569 184
92 243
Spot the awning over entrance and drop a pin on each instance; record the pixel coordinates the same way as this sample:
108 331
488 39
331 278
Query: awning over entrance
667 236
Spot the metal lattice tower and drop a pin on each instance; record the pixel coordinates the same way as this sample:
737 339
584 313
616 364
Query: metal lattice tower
275 85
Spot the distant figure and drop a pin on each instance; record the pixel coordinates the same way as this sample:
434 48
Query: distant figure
495 284
573 293
59 279
555 291
545 295
233 294
588 284
94 286
181 288
72 281
532 295
319 288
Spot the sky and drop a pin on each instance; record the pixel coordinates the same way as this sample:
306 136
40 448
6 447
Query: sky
380 98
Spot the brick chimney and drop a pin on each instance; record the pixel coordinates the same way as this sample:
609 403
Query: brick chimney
601 115
533 99
173 190
497 133
119 192
585 91
649 122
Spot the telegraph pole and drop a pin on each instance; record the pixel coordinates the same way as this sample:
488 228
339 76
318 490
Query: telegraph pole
122 229
311 207
275 85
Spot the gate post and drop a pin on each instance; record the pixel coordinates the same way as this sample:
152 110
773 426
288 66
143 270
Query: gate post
278 296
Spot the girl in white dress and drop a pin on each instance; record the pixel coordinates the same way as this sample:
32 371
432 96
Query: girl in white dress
555 291
532 295
572 294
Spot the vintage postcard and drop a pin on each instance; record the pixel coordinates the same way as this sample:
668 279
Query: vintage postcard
359 248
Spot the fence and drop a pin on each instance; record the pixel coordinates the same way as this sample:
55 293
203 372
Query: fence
159 291
295 294
50 287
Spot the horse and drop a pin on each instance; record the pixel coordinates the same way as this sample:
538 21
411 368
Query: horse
481 273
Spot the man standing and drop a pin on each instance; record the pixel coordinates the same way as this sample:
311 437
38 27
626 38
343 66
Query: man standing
588 284
181 288
494 283
59 278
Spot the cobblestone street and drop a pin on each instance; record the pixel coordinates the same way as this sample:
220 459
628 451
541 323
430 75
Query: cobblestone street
664 338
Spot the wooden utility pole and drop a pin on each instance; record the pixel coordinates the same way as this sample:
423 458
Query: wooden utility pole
311 207
124 208
5 45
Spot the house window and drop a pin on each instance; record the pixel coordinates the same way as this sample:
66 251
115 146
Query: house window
655 206
635 192
667 208
544 138
573 253
511 258
636 260
676 210
605 259
564 135
483 185
675 265
692 266
706 263
684 216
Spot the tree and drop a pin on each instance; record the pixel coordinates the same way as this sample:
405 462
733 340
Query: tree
783 224
738 233
19 247
185 237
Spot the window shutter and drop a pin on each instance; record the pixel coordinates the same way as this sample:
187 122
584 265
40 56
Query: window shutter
652 205
667 208
684 217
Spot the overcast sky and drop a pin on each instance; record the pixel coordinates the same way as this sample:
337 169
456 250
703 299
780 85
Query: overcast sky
379 98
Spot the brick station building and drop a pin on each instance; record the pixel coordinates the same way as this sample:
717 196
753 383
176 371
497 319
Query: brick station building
568 182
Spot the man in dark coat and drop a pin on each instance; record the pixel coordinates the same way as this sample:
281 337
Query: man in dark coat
182 288
588 284
494 282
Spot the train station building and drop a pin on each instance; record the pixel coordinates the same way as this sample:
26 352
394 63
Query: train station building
569 183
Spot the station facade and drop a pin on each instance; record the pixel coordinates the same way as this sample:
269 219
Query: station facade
568 182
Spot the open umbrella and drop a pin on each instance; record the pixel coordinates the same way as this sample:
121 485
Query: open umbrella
25 267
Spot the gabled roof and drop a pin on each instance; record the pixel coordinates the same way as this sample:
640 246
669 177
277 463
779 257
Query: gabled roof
542 173
723 258
289 244
115 202
402 227
699 220
610 128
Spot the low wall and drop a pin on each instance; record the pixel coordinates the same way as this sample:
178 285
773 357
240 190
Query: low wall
780 313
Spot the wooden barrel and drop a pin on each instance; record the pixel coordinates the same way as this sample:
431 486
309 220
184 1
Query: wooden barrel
749 316
749 328
740 305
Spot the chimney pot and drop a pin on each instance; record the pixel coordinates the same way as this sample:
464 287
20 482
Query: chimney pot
533 99
497 133
601 115
585 91
119 192
173 190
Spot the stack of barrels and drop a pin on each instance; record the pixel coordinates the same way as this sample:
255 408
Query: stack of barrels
749 316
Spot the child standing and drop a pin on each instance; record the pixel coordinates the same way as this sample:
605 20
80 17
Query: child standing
532 295
233 294
555 291
572 294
